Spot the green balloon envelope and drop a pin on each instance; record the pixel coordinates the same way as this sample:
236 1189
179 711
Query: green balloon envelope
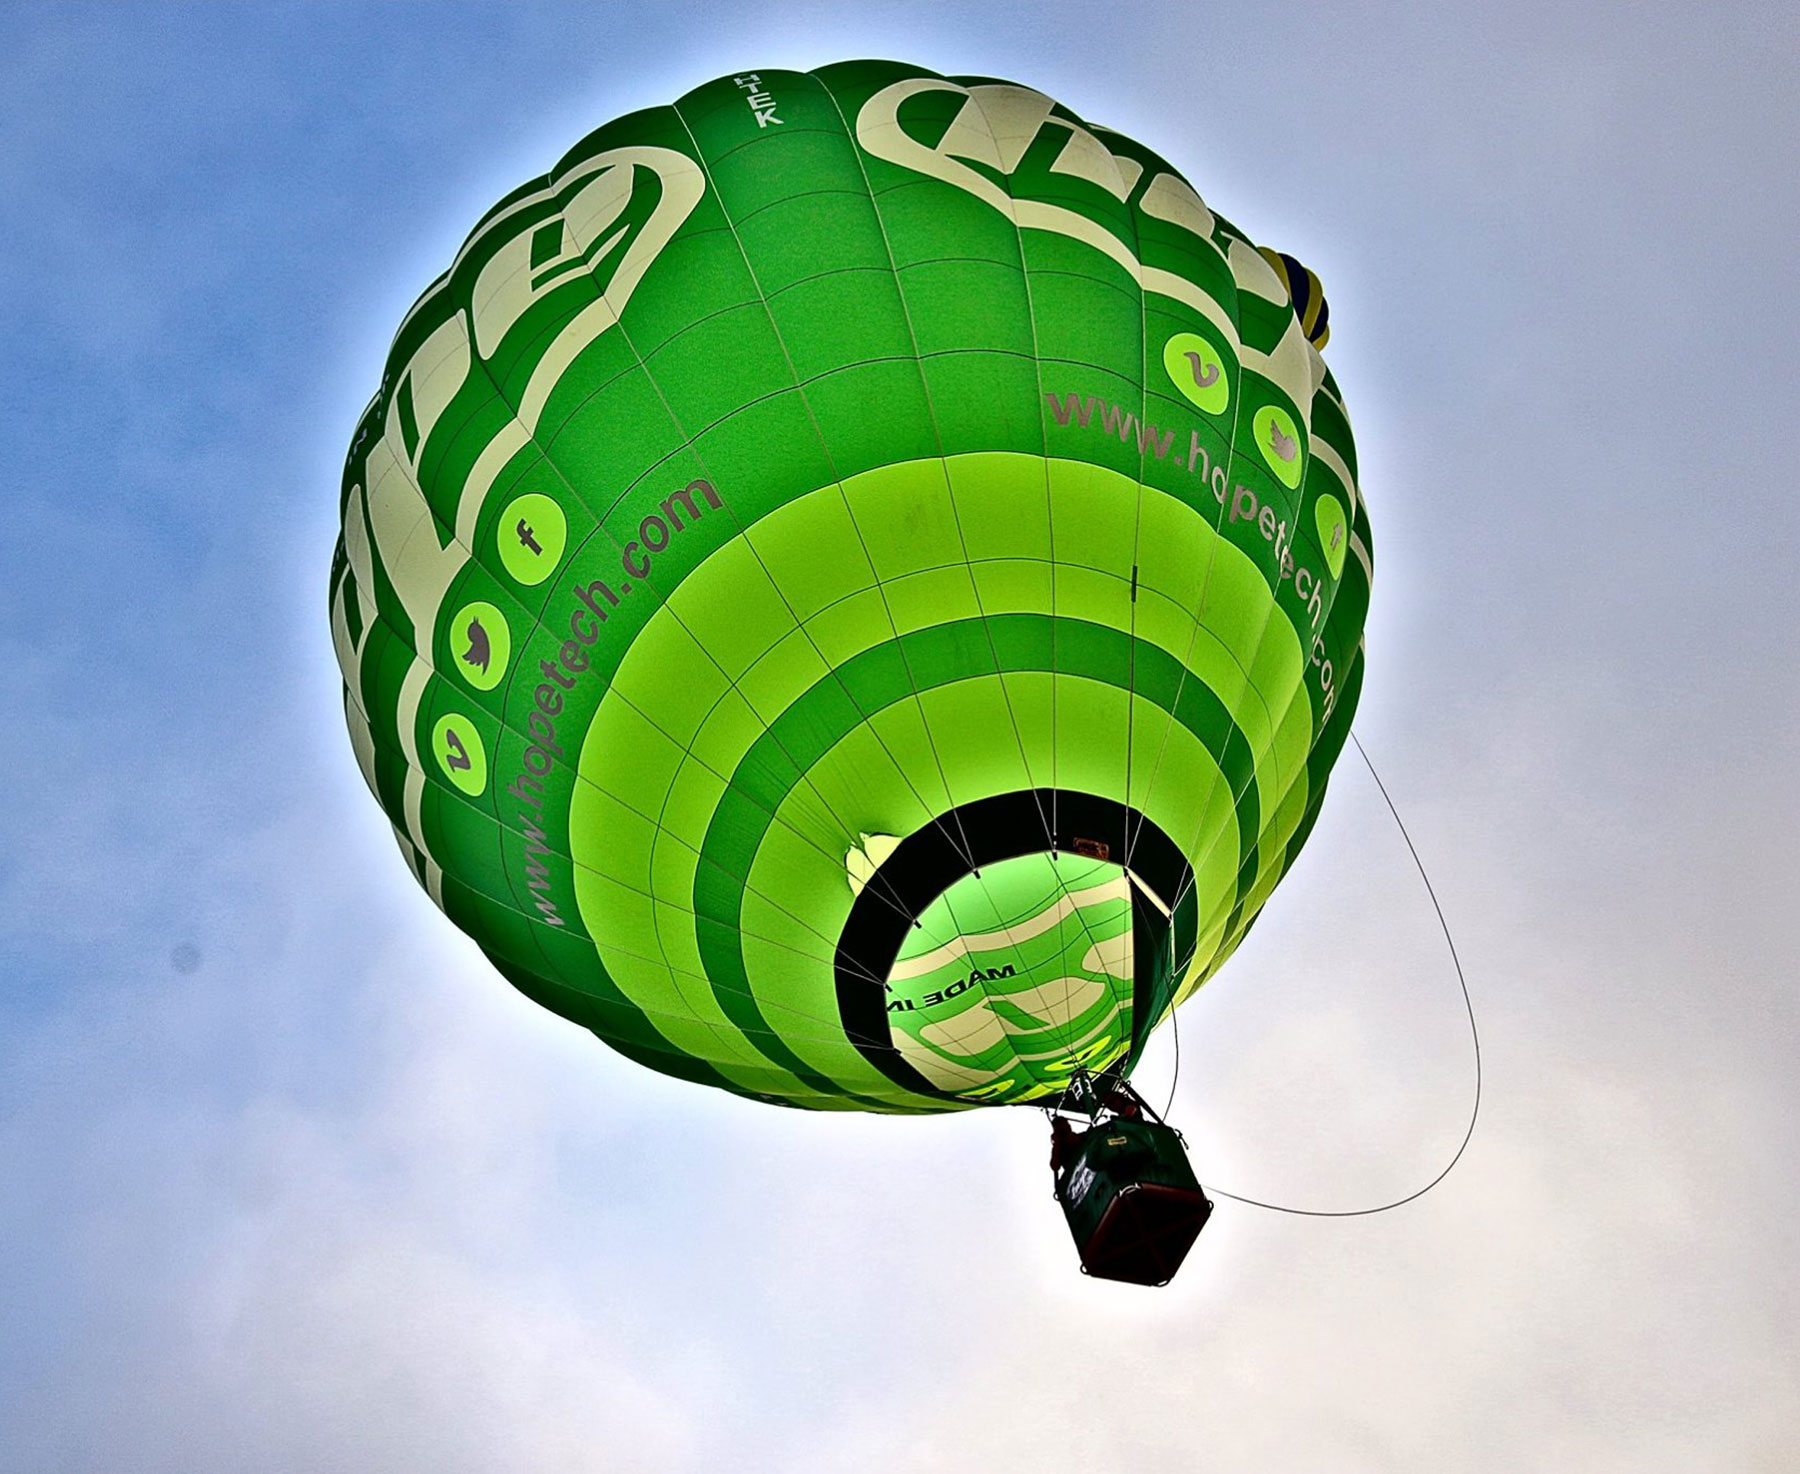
852 588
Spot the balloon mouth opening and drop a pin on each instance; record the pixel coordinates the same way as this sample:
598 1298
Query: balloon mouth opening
1012 859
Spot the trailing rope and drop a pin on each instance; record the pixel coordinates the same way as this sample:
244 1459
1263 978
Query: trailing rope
1474 1036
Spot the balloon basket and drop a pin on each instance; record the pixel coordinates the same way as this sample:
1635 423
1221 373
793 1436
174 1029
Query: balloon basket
1133 1204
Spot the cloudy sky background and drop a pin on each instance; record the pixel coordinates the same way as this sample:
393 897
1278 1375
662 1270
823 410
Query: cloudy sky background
290 1181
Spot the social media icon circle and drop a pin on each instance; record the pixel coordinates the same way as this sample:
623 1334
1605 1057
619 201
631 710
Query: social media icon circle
530 536
1278 438
460 752
480 645
1197 370
1334 531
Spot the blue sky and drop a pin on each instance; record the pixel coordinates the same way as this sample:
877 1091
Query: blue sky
293 1181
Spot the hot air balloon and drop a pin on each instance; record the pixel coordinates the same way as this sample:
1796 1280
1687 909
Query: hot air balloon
851 589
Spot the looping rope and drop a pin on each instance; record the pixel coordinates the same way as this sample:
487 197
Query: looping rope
1474 1036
